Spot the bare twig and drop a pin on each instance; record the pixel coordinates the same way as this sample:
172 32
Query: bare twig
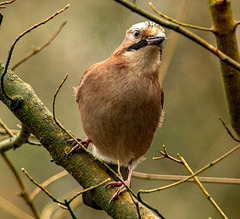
54 101
24 193
228 131
39 48
177 22
47 182
13 210
3 131
65 204
49 194
88 189
41 187
6 2
7 130
223 57
189 177
202 188
233 181
51 208
14 131
166 155
18 38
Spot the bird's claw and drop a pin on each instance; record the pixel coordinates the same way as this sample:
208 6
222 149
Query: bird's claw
120 190
114 184
77 147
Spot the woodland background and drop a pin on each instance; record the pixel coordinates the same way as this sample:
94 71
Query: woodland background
194 98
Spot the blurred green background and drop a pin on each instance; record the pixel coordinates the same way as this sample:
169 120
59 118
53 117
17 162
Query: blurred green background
194 98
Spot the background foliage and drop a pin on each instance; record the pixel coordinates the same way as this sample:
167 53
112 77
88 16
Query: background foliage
193 99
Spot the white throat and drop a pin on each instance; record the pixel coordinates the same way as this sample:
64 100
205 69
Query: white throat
144 60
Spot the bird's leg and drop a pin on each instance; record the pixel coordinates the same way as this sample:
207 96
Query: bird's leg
122 187
76 147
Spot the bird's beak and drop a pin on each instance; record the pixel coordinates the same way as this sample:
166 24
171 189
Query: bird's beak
157 39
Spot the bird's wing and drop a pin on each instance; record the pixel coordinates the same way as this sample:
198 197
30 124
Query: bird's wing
76 89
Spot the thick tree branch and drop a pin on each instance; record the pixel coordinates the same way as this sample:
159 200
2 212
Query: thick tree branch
16 140
86 171
224 28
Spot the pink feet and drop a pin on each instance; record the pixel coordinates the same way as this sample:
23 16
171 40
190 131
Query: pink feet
122 187
75 148
120 190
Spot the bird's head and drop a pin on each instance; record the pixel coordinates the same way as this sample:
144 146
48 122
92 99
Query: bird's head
142 45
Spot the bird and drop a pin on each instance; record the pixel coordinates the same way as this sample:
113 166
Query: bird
121 100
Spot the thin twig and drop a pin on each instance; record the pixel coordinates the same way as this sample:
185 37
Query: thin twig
14 210
88 189
24 193
223 57
228 131
7 130
39 48
47 182
14 131
209 197
42 188
137 205
54 101
18 38
50 208
177 22
217 180
189 177
166 155
6 2
65 203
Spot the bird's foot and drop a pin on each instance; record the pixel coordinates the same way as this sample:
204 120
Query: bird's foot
122 188
77 147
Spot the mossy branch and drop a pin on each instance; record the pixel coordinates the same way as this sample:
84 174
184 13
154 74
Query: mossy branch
224 27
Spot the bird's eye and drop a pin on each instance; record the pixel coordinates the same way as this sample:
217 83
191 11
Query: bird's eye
136 34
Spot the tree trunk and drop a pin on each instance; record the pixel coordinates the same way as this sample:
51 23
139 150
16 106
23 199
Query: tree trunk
224 28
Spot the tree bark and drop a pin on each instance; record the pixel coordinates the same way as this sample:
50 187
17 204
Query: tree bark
224 28
29 109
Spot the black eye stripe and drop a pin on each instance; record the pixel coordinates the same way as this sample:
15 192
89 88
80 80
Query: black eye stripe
137 46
